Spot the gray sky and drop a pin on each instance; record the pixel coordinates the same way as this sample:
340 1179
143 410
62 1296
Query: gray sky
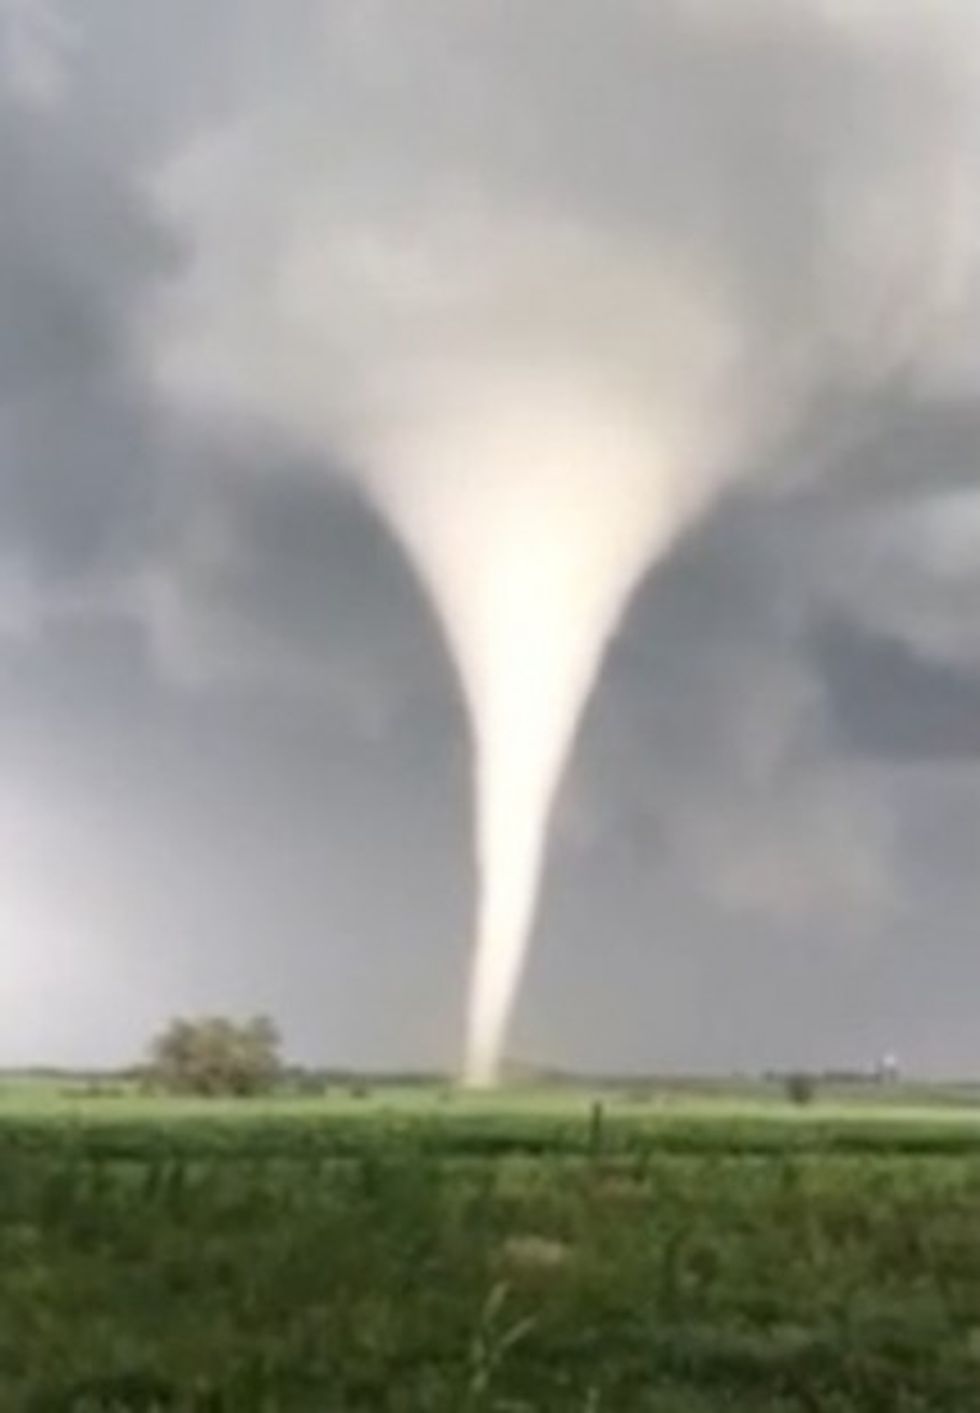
233 756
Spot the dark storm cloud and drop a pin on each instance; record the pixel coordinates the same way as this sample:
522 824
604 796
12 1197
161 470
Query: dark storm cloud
890 701
79 467
202 722
228 728
96 489
219 808
74 247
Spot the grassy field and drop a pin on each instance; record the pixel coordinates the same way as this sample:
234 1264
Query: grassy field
417 1252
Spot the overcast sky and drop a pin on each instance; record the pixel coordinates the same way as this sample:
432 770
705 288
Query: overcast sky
233 754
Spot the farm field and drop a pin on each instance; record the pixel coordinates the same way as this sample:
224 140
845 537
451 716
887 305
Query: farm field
411 1252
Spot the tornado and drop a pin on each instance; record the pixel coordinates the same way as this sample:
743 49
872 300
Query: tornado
544 291
530 530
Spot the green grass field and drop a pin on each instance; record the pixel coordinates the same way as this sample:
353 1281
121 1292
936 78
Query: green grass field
415 1251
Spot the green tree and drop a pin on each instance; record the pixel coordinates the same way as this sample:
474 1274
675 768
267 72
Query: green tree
216 1056
800 1088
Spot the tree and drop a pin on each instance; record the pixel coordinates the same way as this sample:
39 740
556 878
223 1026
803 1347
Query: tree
217 1056
800 1088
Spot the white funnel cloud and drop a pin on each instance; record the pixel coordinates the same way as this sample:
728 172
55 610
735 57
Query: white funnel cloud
544 319
530 521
